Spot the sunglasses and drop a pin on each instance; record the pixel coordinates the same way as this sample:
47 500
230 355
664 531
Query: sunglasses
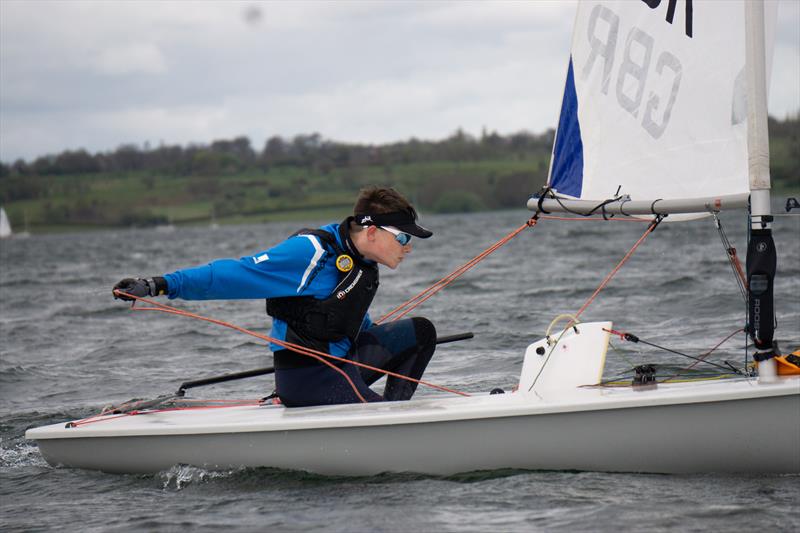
399 236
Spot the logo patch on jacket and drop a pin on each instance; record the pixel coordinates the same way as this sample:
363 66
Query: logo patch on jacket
344 263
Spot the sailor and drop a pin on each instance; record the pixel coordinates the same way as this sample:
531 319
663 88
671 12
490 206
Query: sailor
319 285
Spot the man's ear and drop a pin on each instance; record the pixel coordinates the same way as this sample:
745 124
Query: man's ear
371 231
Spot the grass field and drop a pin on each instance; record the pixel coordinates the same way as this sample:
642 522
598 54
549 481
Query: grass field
84 201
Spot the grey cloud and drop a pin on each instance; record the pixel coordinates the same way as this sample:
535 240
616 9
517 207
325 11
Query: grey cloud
98 74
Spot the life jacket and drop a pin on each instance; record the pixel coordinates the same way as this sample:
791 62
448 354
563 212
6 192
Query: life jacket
341 314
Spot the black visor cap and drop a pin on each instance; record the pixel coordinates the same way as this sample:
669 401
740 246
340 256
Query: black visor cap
405 221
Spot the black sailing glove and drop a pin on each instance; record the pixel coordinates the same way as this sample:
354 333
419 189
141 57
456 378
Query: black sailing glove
140 287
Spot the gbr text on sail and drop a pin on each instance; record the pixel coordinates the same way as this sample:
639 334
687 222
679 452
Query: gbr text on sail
640 64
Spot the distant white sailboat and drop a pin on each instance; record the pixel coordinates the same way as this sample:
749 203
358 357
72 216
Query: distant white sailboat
169 227
25 233
5 225
213 224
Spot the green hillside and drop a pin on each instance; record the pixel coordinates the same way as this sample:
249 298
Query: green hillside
305 177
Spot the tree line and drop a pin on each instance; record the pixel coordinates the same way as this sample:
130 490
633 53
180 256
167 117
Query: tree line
229 178
310 152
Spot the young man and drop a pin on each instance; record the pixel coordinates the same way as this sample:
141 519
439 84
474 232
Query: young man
319 285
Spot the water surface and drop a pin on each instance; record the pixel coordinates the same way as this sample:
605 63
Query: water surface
68 349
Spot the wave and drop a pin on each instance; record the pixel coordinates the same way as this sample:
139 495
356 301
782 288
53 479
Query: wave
20 454
180 477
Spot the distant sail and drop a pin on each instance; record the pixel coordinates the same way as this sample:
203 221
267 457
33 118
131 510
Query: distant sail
5 225
654 104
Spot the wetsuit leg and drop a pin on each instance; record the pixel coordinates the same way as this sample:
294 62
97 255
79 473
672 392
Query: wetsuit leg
404 347
321 385
302 381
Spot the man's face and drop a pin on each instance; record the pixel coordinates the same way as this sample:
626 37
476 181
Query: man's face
382 247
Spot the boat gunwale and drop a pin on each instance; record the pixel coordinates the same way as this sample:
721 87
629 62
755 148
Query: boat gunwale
421 411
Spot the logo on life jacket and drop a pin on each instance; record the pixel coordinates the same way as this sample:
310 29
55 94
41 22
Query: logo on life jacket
341 294
344 263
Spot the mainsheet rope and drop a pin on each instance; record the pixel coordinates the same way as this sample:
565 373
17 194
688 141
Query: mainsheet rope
650 228
574 318
397 313
318 355
406 307
106 415
411 304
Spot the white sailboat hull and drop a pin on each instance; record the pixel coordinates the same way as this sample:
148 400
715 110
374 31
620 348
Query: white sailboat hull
5 225
681 428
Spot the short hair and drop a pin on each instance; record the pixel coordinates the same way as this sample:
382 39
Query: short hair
380 200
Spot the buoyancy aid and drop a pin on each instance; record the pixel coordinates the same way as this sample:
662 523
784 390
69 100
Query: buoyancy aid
341 314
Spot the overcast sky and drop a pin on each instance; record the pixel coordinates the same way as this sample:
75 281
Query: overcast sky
95 75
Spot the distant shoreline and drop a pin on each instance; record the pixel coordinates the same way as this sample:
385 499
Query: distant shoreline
298 179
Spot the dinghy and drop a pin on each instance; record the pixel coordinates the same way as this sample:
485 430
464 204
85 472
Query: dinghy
551 422
659 118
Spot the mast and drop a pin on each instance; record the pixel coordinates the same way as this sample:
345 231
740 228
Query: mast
761 256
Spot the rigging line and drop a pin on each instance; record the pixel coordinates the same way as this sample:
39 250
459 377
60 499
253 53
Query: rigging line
650 228
602 205
171 310
733 258
94 418
574 321
746 307
175 401
103 418
412 303
591 219
703 356
633 338
138 407
615 384
284 344
621 354
415 301
406 307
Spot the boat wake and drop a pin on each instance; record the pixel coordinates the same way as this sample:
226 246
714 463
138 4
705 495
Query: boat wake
180 477
18 453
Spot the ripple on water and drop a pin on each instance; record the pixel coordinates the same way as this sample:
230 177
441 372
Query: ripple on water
72 355
20 454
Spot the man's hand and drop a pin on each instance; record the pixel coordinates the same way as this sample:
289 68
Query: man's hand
136 287
139 287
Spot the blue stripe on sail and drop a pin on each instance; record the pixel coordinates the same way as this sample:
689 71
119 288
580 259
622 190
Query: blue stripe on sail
567 172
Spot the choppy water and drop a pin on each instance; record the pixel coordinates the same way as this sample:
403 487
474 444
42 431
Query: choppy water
68 349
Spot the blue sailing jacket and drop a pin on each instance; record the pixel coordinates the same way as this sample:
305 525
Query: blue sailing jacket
299 266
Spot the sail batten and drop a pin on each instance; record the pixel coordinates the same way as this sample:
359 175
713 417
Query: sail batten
655 105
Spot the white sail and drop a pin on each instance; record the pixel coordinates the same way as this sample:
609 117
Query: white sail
5 225
655 103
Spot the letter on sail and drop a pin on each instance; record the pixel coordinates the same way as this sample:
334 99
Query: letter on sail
647 103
